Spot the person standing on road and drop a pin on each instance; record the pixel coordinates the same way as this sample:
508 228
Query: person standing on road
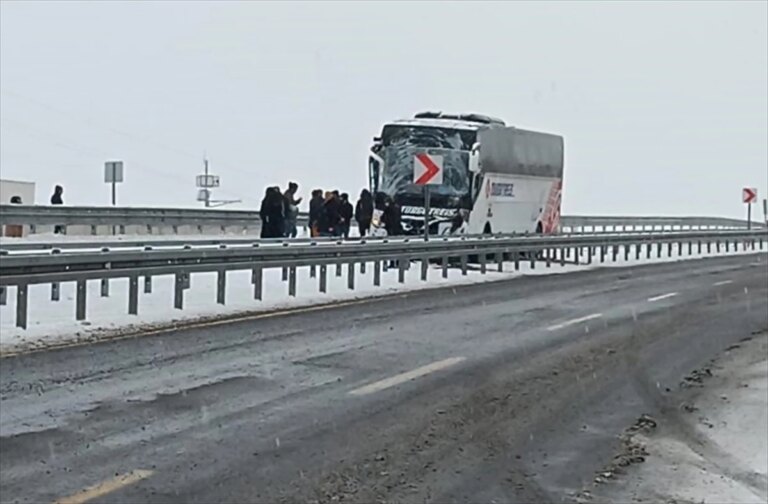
364 212
392 218
57 199
330 218
315 209
346 212
291 209
272 214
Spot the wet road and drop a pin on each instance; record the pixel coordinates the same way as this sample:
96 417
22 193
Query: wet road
511 391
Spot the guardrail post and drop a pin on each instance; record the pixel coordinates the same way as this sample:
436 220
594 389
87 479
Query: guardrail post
285 273
292 281
80 300
464 265
257 279
104 287
445 266
679 249
648 250
638 250
533 259
577 255
517 260
313 271
699 247
562 256
590 252
93 230
500 262
338 269
221 287
615 252
22 297
626 251
147 284
351 276
690 248
401 263
362 268
3 295
385 266
669 249
424 268
133 295
121 229
602 253
658 250
761 243
323 278
717 246
481 256
55 291
178 291
709 247
377 273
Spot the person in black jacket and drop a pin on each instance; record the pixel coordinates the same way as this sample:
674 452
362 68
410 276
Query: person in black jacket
346 212
56 199
331 218
315 211
364 212
272 214
392 218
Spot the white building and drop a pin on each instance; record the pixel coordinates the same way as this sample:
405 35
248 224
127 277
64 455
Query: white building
11 188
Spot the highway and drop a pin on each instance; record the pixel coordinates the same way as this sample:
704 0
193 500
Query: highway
510 391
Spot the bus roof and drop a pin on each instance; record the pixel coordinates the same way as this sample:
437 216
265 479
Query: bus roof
440 123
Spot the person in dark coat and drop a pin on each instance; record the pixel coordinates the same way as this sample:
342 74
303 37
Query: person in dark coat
57 199
364 212
331 218
315 211
392 218
346 212
272 214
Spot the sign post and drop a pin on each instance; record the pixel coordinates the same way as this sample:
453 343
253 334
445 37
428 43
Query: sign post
749 196
113 174
427 170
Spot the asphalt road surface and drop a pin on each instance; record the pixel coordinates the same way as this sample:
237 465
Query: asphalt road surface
511 391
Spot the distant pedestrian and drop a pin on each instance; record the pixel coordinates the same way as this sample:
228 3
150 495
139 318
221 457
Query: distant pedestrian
364 212
346 212
58 199
272 214
315 209
291 209
330 217
392 217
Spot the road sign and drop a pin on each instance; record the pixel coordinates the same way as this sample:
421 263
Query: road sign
749 195
113 172
427 169
208 181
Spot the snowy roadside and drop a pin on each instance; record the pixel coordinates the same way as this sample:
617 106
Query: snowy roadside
53 323
718 450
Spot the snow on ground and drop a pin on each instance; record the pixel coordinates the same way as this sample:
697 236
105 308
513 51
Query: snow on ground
52 323
720 454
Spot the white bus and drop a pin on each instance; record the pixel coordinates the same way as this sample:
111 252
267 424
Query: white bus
496 179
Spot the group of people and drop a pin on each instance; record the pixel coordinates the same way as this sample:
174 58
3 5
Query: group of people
330 213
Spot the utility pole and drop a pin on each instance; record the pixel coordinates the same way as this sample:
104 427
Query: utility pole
207 191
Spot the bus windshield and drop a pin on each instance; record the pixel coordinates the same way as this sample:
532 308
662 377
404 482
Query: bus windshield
401 143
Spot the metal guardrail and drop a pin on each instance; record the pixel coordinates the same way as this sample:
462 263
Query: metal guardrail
151 219
23 270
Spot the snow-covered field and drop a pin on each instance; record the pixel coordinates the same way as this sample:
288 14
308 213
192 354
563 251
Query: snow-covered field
53 323
721 455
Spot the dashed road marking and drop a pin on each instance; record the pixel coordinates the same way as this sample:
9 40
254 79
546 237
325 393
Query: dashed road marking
407 376
723 282
663 296
105 487
573 321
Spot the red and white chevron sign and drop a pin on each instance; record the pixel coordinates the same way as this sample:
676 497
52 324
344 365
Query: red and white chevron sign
427 169
749 195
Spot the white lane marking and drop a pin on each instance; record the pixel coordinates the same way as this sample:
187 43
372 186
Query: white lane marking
573 321
723 282
407 376
663 296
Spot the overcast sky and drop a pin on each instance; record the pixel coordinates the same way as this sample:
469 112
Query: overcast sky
663 106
